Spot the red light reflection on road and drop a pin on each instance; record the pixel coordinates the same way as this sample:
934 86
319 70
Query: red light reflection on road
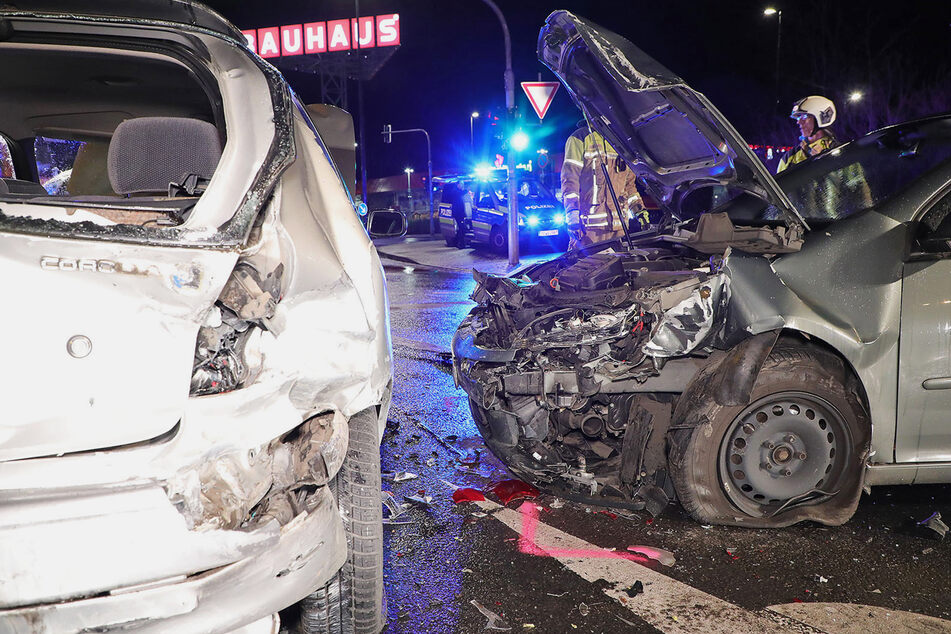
528 545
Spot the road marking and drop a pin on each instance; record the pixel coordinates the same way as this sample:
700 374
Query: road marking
851 618
666 604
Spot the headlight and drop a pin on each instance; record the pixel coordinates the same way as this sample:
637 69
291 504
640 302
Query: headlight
533 221
559 219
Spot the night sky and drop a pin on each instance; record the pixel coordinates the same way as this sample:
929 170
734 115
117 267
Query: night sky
451 62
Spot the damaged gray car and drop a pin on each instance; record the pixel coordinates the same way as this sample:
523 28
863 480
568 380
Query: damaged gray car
767 351
197 363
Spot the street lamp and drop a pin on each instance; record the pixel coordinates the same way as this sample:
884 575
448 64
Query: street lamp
855 95
472 117
768 12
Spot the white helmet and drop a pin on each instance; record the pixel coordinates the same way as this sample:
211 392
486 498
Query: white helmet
821 108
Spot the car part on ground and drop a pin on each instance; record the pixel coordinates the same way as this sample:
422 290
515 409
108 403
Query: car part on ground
211 336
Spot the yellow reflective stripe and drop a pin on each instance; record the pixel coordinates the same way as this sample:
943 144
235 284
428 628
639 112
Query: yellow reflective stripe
574 162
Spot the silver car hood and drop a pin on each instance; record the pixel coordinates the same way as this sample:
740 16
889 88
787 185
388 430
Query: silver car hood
670 135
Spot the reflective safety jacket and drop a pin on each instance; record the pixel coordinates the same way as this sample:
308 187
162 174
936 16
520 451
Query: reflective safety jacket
585 194
806 150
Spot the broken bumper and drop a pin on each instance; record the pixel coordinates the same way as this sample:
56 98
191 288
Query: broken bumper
280 564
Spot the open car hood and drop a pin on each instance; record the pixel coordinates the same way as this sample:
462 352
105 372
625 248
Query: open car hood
668 133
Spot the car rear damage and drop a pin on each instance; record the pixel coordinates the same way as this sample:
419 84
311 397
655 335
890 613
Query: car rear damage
218 360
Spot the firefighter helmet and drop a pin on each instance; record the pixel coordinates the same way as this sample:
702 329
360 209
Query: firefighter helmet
819 107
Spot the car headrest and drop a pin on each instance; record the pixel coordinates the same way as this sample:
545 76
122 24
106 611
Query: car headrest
148 153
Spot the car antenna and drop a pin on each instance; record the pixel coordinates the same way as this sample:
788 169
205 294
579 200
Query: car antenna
607 179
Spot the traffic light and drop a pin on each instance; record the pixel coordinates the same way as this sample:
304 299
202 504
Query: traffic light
519 141
387 133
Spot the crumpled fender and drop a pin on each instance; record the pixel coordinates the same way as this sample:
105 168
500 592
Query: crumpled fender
736 371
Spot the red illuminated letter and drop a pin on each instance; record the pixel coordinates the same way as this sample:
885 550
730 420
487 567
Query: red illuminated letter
292 40
363 33
315 37
267 42
252 38
338 34
388 30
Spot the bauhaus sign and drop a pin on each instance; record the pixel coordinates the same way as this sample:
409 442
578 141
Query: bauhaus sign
325 37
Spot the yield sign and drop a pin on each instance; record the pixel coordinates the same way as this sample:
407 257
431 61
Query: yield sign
540 93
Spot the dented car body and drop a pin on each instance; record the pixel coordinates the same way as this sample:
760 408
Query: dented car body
201 324
743 355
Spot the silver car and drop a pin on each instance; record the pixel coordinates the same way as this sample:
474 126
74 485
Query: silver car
767 351
197 360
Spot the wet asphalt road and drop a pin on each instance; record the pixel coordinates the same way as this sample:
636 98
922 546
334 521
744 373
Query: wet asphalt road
448 554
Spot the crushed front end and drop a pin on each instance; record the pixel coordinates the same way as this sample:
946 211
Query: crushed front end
572 369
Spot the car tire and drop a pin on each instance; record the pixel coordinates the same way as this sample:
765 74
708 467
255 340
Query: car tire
352 601
498 240
775 461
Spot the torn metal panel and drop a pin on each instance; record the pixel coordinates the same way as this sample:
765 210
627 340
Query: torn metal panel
303 554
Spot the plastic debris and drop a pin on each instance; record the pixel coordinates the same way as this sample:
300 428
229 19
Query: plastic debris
471 460
557 503
557 595
927 550
399 476
819 579
932 527
634 590
583 609
509 490
732 553
528 626
493 620
664 557
478 514
393 511
613 516
421 500
467 495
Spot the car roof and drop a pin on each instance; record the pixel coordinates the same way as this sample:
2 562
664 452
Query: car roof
184 12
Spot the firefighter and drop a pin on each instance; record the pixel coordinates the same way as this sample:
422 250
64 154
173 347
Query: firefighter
814 115
592 216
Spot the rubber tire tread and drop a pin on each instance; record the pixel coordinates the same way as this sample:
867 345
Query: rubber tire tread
352 601
695 495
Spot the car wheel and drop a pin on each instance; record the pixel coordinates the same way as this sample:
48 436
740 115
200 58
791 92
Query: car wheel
795 452
352 601
498 240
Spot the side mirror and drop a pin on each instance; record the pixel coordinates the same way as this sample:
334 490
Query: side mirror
386 223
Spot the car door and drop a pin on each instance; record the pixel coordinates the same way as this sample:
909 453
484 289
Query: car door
924 384
484 215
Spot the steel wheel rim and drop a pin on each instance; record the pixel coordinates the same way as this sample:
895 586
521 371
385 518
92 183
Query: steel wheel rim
780 447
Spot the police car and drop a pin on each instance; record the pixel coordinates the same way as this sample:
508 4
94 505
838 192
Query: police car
541 218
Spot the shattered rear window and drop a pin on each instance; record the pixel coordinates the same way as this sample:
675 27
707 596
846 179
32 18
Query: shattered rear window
54 163
6 160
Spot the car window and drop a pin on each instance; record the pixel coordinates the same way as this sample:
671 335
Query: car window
934 230
6 160
853 178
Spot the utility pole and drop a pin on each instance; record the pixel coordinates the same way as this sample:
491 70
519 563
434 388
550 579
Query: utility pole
509 79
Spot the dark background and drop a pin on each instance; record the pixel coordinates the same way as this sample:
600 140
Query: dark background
451 62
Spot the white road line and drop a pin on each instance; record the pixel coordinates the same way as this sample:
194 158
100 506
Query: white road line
666 604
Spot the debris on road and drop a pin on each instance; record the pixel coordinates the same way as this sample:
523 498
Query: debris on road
732 553
932 527
420 500
636 589
460 496
438 438
508 490
664 557
557 503
819 579
494 621
398 476
395 510
583 609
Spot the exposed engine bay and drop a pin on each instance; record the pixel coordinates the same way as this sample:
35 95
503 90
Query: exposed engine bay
573 369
